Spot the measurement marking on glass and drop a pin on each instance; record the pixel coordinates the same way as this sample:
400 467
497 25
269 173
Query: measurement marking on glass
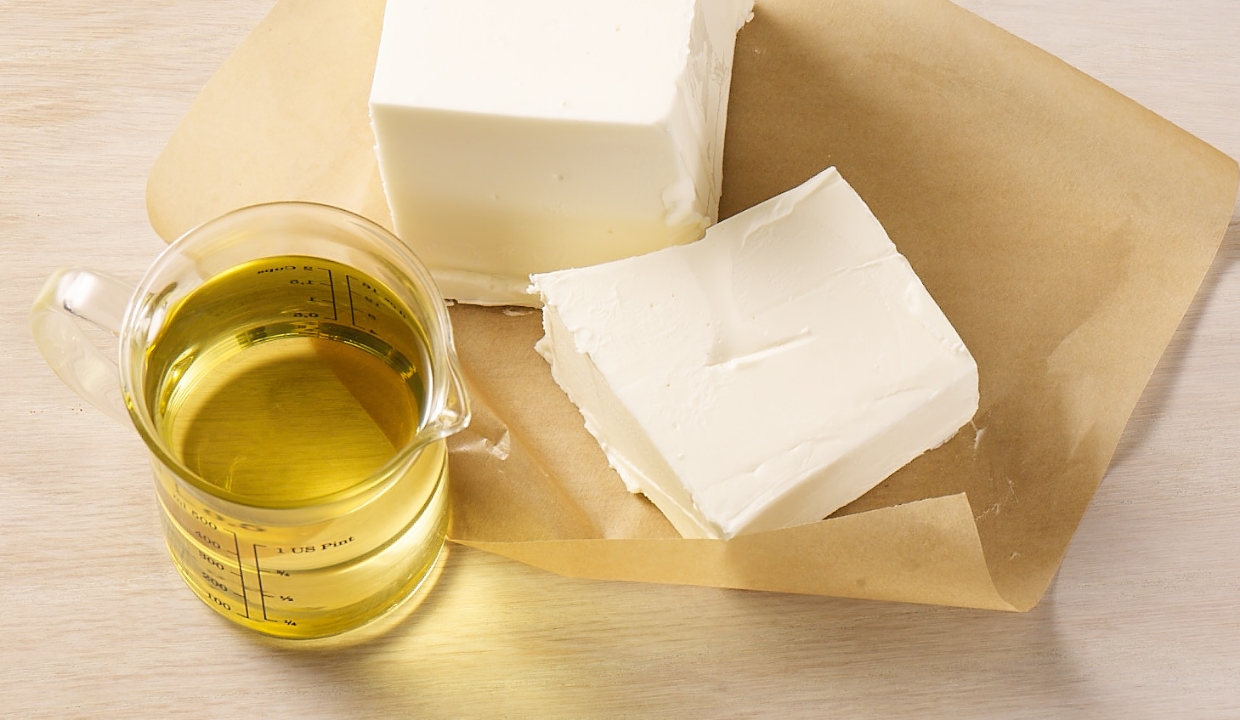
331 284
258 571
348 281
244 597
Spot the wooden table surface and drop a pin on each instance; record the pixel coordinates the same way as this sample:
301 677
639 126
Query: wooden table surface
1142 620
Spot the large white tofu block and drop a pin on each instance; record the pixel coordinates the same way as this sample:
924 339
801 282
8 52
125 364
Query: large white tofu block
523 137
766 375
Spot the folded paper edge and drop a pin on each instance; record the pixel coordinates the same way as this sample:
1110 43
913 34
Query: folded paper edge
925 552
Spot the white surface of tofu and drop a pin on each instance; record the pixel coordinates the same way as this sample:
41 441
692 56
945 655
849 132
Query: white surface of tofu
517 138
766 375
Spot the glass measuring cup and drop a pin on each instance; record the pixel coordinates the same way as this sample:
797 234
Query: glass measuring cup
291 370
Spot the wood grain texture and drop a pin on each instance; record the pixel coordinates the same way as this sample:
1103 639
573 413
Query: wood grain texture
94 622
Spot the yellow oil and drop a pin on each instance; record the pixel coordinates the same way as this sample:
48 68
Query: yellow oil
283 393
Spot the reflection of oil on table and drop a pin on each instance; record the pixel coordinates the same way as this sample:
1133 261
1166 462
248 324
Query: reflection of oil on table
95 621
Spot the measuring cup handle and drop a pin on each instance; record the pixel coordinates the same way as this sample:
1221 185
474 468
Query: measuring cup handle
68 297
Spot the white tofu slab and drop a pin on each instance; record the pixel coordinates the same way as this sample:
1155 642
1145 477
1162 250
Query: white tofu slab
516 138
766 375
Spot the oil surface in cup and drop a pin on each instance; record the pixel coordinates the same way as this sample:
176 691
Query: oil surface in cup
288 384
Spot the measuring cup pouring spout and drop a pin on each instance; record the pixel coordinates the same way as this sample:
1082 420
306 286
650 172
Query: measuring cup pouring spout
455 414
291 369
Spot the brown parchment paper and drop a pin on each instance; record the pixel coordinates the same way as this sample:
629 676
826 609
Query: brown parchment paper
1062 228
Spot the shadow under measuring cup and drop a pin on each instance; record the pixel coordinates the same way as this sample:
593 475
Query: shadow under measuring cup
291 369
